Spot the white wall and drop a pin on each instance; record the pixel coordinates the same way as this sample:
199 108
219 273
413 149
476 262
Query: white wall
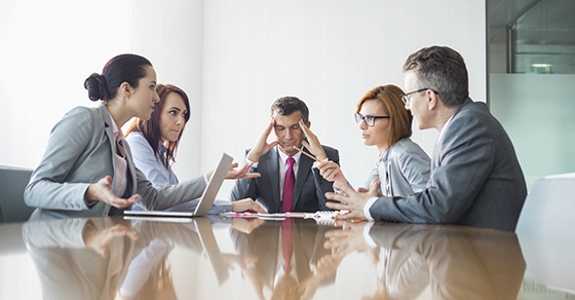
234 58
48 48
45 54
327 53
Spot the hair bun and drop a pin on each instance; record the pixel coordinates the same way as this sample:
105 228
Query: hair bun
97 87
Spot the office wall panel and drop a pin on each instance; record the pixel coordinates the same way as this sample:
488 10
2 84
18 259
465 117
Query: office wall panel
234 58
328 53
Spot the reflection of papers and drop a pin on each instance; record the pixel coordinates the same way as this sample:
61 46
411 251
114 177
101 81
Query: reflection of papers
321 217
208 240
159 219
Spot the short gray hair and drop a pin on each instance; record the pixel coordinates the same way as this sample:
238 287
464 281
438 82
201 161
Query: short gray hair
441 69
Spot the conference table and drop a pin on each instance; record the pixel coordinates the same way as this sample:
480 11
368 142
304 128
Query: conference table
250 258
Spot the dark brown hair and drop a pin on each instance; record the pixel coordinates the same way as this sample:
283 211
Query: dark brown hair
128 68
400 119
151 128
285 106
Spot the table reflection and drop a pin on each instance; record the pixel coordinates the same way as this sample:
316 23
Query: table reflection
111 258
453 262
80 258
105 258
288 254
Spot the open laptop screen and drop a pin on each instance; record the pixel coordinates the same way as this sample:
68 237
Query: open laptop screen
206 201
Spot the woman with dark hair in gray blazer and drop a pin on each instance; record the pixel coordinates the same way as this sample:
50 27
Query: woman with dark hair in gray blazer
402 166
87 169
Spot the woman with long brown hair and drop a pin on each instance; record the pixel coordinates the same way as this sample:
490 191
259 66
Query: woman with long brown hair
154 143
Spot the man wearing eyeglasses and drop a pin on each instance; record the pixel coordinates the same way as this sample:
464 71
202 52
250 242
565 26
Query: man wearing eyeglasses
476 179
290 180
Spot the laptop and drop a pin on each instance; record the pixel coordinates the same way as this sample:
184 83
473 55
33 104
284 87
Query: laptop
205 203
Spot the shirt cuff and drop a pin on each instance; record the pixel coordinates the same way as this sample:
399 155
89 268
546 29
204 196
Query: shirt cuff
265 207
220 206
340 192
254 163
316 163
367 236
205 179
367 206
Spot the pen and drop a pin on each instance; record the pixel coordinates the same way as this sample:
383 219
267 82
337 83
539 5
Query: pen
235 214
307 154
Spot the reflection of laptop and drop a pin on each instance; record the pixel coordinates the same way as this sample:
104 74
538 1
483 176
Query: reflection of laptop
206 201
210 245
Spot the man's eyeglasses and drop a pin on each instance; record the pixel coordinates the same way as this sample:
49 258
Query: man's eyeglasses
368 120
405 97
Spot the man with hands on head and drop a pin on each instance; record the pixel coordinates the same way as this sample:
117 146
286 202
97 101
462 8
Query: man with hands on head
307 188
476 179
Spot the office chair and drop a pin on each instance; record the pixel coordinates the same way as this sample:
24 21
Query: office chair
549 208
545 231
13 181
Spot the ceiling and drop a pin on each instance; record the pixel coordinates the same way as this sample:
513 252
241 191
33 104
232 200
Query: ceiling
543 32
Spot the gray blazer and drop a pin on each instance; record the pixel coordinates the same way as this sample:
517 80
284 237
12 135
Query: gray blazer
310 186
476 179
403 170
79 153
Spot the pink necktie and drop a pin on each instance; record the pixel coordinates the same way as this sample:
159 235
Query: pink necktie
287 245
289 184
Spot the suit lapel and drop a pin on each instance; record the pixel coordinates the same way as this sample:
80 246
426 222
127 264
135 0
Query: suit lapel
303 171
131 169
110 133
108 124
271 164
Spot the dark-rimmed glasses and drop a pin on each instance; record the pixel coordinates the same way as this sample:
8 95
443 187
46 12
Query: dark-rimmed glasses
405 97
368 120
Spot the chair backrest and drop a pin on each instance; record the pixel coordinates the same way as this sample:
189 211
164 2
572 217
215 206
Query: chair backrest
549 209
13 181
545 231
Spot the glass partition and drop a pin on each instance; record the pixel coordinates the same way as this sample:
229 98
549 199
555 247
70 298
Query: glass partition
531 74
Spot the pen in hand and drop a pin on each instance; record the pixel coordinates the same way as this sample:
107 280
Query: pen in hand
307 154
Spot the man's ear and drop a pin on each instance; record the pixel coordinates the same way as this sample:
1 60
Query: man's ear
432 99
308 124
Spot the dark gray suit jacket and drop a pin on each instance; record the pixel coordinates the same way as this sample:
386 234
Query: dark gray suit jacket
475 179
310 186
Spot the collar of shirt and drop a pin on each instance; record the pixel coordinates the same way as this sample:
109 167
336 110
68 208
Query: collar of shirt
283 157
382 158
444 128
117 132
162 153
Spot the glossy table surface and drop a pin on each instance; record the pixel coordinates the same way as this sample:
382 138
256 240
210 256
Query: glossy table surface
222 258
